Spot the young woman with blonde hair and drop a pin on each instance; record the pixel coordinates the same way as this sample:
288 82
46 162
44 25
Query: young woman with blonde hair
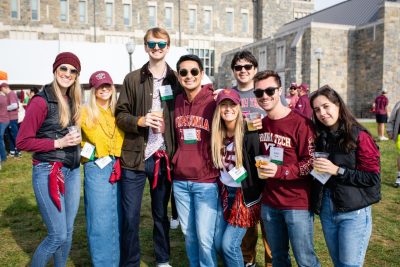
46 131
234 152
102 142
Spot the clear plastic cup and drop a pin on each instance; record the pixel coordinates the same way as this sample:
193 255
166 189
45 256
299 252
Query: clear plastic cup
250 118
72 129
161 128
324 155
261 160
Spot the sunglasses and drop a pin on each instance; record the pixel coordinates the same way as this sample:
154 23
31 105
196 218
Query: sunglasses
240 67
185 72
65 69
152 44
270 91
292 88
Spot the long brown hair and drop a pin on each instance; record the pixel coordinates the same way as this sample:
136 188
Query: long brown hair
219 133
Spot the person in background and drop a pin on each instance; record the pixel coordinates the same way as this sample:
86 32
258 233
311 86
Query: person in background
102 142
344 201
12 108
145 112
393 131
4 121
195 177
293 95
244 66
380 106
234 152
50 132
287 138
303 103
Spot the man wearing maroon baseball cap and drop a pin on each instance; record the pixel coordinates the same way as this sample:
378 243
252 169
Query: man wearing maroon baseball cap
303 104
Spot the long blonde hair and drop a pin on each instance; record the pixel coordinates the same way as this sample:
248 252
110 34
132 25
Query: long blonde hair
219 133
92 109
74 93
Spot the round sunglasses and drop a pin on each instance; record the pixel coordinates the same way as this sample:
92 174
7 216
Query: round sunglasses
152 44
185 72
270 91
65 69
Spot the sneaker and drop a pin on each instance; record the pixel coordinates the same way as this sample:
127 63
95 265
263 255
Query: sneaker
383 138
249 264
397 183
12 153
163 264
174 224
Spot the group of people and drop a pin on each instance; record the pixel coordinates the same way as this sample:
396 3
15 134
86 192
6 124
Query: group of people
202 145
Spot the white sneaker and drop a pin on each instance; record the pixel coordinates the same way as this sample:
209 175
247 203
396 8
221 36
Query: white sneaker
163 264
174 224
383 138
397 183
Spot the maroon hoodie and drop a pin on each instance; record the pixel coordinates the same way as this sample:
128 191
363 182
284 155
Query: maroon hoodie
193 162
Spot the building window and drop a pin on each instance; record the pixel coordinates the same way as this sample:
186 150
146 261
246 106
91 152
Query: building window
262 59
229 21
207 20
82 11
245 22
168 17
15 9
280 55
152 16
207 58
35 9
127 15
64 10
192 18
109 13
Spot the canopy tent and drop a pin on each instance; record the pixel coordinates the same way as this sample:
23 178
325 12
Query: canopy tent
29 62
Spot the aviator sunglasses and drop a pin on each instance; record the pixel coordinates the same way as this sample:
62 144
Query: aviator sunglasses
65 69
152 44
185 72
270 91
240 67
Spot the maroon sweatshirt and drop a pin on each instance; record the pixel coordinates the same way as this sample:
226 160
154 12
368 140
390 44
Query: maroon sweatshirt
290 188
193 162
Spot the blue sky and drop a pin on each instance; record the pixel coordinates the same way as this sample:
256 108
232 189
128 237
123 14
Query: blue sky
321 4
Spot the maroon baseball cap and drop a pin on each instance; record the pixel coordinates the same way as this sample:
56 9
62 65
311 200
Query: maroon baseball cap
99 78
4 85
304 87
228 94
293 85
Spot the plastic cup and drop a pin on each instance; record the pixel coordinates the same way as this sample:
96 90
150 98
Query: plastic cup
72 129
261 160
250 118
324 155
161 128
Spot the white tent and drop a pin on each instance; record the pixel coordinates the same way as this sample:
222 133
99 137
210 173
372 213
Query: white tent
29 62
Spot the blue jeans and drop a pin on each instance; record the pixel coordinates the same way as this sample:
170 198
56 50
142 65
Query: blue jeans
197 205
103 215
3 153
60 224
228 238
132 186
12 134
294 225
346 233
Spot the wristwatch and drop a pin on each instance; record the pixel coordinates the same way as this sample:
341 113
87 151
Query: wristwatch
341 171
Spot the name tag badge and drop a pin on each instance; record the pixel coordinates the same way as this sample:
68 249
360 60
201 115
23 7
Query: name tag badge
238 174
189 136
276 155
88 151
102 162
166 92
322 177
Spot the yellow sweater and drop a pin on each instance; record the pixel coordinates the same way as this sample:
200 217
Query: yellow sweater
105 135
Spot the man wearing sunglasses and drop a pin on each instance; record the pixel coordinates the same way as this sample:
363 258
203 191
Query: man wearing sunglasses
195 177
147 150
244 67
303 105
288 139
293 95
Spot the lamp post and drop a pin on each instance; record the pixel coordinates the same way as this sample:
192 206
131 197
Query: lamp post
130 48
318 55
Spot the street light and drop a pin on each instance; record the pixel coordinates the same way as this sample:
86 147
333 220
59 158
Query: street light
318 55
130 47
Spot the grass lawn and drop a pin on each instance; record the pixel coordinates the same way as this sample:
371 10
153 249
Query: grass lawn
21 227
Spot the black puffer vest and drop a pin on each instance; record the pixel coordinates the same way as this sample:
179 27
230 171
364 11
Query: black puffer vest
51 129
347 194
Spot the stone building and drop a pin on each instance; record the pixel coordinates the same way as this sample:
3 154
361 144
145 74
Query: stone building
206 28
353 46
